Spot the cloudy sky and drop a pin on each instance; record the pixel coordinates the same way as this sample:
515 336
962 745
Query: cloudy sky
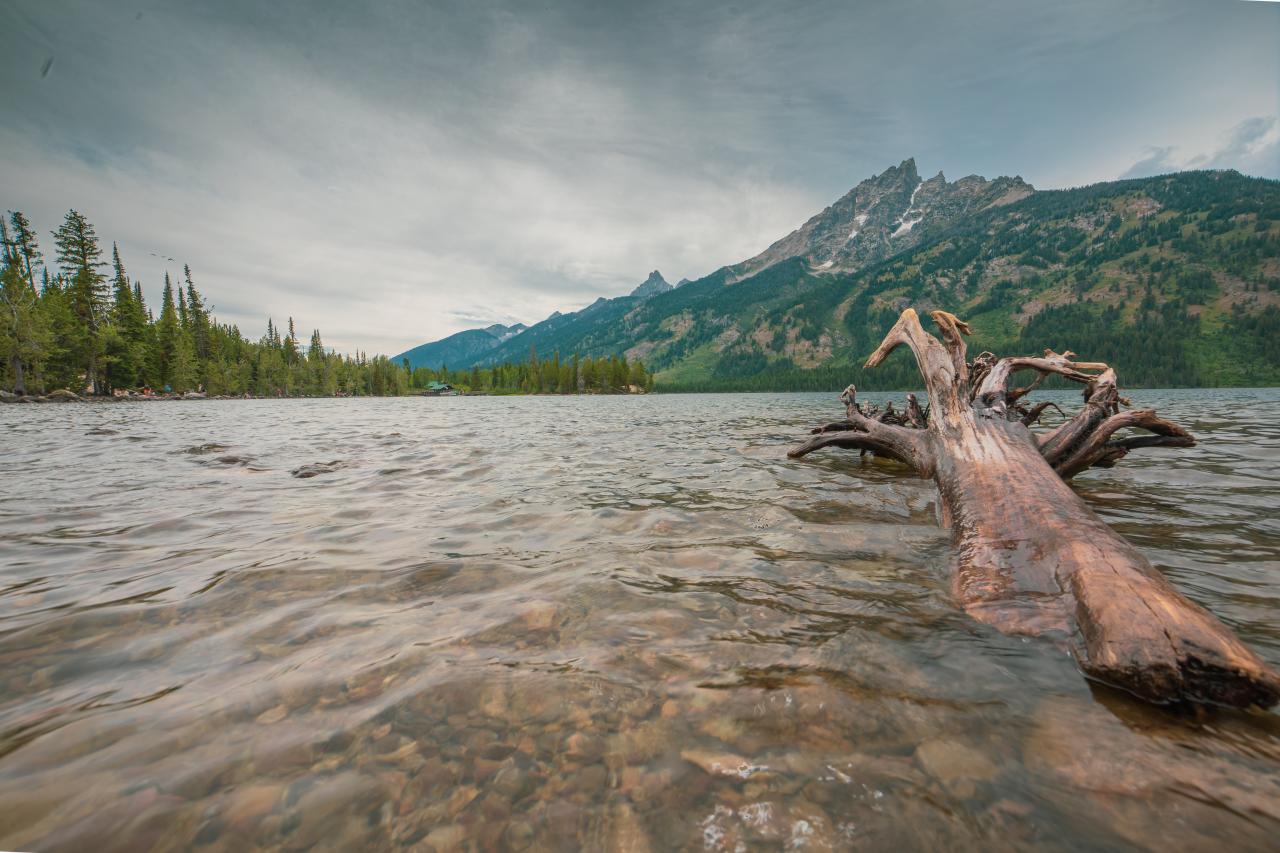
397 173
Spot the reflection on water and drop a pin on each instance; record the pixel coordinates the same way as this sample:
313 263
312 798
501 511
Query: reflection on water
550 623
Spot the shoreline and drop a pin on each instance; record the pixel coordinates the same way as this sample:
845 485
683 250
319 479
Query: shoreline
62 395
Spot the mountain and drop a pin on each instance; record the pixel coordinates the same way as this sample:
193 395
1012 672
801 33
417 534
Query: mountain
484 346
651 286
461 349
883 216
1174 280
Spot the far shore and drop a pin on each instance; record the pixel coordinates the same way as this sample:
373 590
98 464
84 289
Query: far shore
62 395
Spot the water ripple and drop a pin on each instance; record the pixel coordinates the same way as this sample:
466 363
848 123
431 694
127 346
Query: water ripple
603 623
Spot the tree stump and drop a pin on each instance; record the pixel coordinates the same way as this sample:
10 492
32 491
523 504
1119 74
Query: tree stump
1030 556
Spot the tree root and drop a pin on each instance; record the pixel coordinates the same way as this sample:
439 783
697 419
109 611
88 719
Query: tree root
1031 557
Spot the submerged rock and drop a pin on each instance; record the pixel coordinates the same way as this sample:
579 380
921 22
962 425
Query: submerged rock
232 459
722 763
250 803
949 761
313 469
200 449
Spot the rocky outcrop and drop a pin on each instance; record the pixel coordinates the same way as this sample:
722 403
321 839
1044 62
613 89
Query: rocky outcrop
882 216
651 286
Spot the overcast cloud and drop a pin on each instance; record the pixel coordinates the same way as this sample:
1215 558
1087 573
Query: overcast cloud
397 174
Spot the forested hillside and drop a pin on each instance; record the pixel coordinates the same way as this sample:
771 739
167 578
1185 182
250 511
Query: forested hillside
466 347
1175 280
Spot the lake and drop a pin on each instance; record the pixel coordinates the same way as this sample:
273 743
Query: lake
553 623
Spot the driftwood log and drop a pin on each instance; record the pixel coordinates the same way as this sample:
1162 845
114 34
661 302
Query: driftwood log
1030 556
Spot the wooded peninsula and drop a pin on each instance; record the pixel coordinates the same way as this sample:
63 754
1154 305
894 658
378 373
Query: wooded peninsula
86 326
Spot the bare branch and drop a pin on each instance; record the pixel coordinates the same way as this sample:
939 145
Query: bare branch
911 447
978 370
1033 414
1018 393
915 415
998 379
1101 401
952 327
834 426
851 440
1097 447
933 360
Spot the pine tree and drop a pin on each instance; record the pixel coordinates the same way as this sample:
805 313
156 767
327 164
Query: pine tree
20 342
8 253
25 246
61 365
638 377
199 315
141 301
81 260
168 331
315 352
129 322
184 374
291 346
320 377
120 280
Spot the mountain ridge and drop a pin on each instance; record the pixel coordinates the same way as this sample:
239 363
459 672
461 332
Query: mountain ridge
651 286
1175 279
879 217
469 347
461 347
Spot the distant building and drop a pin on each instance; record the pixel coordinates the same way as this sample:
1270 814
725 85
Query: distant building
436 388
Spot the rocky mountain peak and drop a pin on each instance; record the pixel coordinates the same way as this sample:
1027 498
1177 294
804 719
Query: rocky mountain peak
651 286
502 332
881 216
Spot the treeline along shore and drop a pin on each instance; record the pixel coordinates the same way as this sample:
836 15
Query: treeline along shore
80 328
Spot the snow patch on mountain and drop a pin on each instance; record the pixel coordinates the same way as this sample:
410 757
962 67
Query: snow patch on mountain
860 220
907 223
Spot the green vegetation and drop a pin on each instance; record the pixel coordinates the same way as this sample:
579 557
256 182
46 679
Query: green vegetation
83 329
80 329
608 375
1175 281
